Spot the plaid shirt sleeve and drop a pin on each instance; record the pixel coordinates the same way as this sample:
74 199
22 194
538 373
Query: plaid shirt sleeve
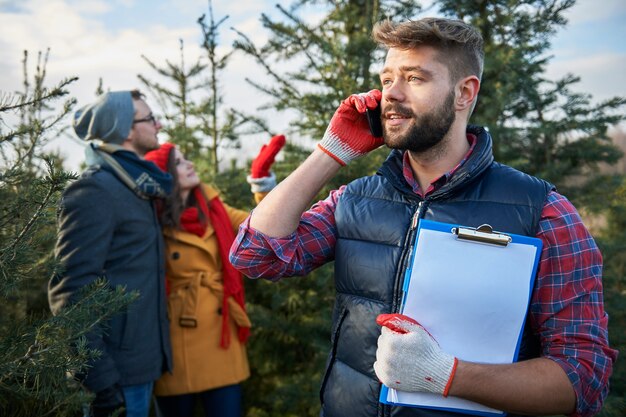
567 309
257 255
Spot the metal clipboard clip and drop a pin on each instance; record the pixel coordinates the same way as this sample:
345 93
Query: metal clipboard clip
483 234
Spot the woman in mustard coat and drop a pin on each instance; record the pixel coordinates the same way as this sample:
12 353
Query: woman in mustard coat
208 321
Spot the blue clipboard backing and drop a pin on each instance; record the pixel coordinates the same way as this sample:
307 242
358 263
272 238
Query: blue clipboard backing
532 247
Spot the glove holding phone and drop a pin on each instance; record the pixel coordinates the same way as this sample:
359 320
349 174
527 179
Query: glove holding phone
348 135
408 358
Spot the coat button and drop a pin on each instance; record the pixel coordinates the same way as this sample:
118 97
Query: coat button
175 255
219 311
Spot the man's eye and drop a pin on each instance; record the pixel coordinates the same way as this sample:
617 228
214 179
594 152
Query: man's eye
385 82
414 78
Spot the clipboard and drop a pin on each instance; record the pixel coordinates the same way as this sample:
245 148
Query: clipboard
470 288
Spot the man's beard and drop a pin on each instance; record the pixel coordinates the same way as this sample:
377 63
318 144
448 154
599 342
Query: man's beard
144 145
426 131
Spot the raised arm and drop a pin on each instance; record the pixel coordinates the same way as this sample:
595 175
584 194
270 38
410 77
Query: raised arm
278 214
347 137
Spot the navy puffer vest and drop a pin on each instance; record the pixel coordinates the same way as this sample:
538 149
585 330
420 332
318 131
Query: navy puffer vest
374 217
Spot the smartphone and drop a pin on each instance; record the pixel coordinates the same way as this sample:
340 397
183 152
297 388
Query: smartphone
373 119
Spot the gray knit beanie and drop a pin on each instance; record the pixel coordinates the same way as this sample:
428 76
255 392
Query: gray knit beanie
109 118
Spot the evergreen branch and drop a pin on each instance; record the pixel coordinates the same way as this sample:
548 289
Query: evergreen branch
38 212
56 92
39 129
249 48
31 353
312 36
22 130
259 123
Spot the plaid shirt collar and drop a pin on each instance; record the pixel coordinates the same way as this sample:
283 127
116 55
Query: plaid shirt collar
442 180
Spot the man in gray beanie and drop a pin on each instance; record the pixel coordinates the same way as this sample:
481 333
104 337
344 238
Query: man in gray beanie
108 228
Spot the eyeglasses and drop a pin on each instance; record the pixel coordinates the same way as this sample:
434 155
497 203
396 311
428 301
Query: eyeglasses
149 118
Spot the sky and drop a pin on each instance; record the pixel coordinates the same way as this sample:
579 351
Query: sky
95 39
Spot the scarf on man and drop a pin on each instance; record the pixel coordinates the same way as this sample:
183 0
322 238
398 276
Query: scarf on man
143 177
233 282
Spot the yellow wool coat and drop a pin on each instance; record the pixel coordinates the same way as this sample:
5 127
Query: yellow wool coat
194 271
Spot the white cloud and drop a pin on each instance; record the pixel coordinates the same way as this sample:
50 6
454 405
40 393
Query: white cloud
94 7
83 44
83 47
80 45
86 43
593 10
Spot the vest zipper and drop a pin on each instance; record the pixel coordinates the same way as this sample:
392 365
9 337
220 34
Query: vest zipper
407 252
406 256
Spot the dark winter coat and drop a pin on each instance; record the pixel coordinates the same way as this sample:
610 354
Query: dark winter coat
106 230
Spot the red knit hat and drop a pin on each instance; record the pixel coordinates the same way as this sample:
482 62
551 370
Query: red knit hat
161 155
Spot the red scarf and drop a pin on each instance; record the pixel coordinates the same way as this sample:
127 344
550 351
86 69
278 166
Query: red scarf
233 282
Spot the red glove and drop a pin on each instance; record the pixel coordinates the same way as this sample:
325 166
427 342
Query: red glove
348 135
394 321
262 163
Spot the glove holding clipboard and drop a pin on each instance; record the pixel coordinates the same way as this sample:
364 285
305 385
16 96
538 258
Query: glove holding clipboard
408 358
471 313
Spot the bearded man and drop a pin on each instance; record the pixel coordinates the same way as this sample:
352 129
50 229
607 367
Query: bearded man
440 168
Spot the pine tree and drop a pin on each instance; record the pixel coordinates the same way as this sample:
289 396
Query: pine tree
335 57
194 106
612 242
539 126
37 350
176 103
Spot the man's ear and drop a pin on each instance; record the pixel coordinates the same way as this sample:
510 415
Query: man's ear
466 93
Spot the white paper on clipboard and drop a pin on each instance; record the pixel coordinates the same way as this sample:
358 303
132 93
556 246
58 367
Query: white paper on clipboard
472 297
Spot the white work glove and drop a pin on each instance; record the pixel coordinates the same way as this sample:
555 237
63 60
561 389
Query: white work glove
409 359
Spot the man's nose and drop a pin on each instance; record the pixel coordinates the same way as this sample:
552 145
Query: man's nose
394 92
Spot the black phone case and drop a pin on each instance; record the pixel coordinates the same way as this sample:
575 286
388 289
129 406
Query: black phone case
373 119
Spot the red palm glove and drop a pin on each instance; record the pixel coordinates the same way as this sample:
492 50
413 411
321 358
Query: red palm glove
263 162
408 358
348 135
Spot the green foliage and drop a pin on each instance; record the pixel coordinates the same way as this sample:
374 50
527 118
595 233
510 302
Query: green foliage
179 125
612 242
193 106
38 354
233 186
30 183
27 229
334 57
540 126
38 351
289 345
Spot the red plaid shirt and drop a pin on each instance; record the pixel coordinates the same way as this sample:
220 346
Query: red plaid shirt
566 308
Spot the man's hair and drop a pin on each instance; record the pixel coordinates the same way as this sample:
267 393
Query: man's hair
137 95
459 45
